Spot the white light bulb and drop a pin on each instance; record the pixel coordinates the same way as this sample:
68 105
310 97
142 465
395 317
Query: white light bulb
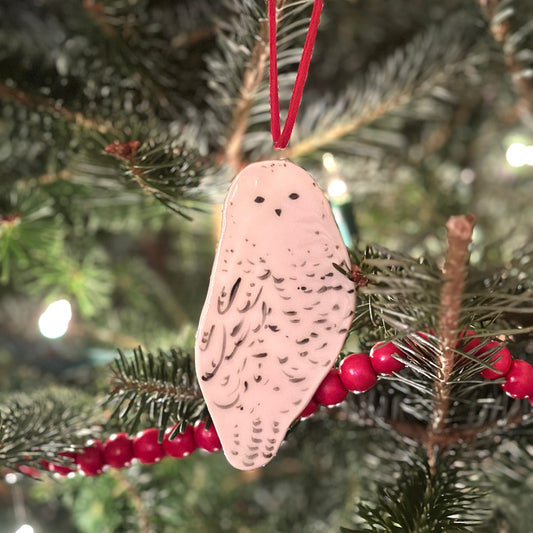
11 478
24 528
53 323
336 188
517 154
329 162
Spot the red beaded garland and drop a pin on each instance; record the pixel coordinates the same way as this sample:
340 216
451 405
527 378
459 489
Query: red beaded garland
91 461
181 445
207 439
309 409
382 360
501 360
146 446
519 380
357 373
331 391
118 451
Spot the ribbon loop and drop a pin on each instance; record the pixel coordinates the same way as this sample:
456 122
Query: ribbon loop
281 138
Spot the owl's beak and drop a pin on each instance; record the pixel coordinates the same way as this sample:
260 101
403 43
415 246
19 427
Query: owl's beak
278 212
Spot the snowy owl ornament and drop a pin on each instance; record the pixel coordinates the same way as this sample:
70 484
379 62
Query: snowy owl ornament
277 311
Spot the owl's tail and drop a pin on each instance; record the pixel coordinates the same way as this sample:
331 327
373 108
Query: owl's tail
257 445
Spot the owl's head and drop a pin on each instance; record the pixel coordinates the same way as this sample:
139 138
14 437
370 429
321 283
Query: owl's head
271 191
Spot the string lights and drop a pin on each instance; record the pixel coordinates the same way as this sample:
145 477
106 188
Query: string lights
53 323
340 201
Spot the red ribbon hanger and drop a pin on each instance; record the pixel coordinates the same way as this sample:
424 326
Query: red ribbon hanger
281 139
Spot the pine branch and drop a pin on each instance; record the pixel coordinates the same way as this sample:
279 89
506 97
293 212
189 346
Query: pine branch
43 424
251 81
127 29
30 234
439 399
227 64
504 294
430 59
189 38
424 500
54 108
502 16
455 269
162 387
170 171
400 296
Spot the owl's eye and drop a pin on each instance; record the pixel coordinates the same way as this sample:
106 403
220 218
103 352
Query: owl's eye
294 196
259 200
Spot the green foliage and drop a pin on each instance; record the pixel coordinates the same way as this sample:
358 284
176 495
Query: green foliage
170 171
423 501
86 279
111 512
43 424
403 293
396 284
162 387
31 232
405 77
509 470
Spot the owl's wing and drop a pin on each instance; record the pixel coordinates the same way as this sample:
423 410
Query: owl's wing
227 334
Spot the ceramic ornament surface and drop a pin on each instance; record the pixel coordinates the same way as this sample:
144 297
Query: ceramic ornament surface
277 311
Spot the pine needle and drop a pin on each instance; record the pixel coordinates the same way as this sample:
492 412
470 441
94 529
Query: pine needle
162 388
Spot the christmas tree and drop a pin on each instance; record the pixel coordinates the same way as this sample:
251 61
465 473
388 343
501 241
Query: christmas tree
123 123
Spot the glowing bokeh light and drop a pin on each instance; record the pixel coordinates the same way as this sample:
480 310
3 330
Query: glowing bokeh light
336 188
25 528
53 323
519 154
329 162
11 478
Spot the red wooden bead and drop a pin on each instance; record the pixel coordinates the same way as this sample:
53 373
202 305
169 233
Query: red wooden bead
118 451
60 469
382 360
357 373
29 471
207 439
146 446
310 409
501 361
91 461
422 335
468 341
181 445
331 391
519 380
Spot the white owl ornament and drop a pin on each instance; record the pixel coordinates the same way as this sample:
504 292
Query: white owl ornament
277 311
